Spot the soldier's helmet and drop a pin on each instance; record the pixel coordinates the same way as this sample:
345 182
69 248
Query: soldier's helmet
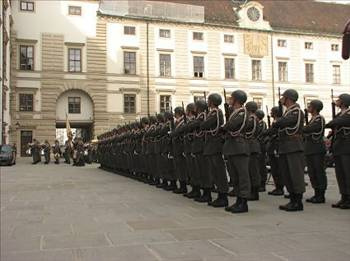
251 106
160 117
275 110
168 115
317 105
260 114
201 105
345 99
152 119
190 107
144 120
215 99
239 96
291 94
179 110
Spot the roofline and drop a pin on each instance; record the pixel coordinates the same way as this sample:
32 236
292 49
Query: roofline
276 30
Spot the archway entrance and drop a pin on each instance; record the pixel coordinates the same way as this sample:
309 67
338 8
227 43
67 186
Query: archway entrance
77 106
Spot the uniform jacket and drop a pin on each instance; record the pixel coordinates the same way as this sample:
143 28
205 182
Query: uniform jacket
213 139
314 136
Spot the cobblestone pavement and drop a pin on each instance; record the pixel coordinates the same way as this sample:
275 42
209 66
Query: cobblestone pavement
70 213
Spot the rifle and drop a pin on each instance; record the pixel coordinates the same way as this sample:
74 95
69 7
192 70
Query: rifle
333 105
268 117
185 116
226 106
306 114
172 123
205 99
280 106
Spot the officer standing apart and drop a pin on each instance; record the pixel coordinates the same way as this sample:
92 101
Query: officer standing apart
291 157
315 151
340 126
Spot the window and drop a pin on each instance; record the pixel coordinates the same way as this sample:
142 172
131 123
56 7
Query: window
165 65
26 57
229 68
198 66
256 70
129 62
198 98
309 45
129 103
336 74
197 36
27 6
281 43
228 38
335 47
165 103
309 72
282 72
74 10
74 59
259 102
25 102
129 30
74 105
164 33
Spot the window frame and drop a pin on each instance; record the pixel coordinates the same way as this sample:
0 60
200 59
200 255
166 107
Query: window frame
308 45
167 103
336 74
129 63
197 73
127 29
228 36
164 36
74 61
336 47
75 8
74 111
128 108
163 70
282 43
256 76
283 77
24 107
33 57
198 33
26 2
309 73
259 100
229 74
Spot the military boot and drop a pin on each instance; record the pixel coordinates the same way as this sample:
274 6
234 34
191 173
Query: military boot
241 207
194 193
319 197
276 192
340 202
206 197
254 195
171 186
164 184
220 202
230 208
290 203
182 189
297 204
232 193
346 204
310 200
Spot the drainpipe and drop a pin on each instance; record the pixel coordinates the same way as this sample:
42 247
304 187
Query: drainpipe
2 72
147 43
272 72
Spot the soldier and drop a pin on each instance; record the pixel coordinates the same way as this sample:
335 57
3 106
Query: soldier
35 151
272 151
212 151
340 126
47 151
315 151
57 152
251 134
178 149
67 152
236 150
291 157
262 127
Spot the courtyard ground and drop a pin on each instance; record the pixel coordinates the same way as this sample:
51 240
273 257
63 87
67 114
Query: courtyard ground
65 213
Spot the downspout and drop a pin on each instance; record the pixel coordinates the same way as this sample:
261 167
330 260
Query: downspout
147 44
272 72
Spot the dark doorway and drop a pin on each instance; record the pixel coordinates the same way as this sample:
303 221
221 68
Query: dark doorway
81 130
26 137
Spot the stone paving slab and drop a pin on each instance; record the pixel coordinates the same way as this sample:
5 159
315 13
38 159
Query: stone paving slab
64 213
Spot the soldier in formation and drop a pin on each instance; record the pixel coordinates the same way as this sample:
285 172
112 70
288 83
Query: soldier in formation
195 148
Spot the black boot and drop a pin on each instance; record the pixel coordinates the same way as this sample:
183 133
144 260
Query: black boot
319 197
346 204
232 193
160 184
206 197
340 202
276 192
182 189
254 195
297 204
241 207
172 186
154 181
310 200
164 183
194 193
220 202
230 208
291 202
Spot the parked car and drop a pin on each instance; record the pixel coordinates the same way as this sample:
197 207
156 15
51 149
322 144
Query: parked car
7 155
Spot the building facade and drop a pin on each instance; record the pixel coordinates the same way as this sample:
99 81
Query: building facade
103 63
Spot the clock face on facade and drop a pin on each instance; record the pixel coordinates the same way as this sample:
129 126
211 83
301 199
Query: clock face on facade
253 14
